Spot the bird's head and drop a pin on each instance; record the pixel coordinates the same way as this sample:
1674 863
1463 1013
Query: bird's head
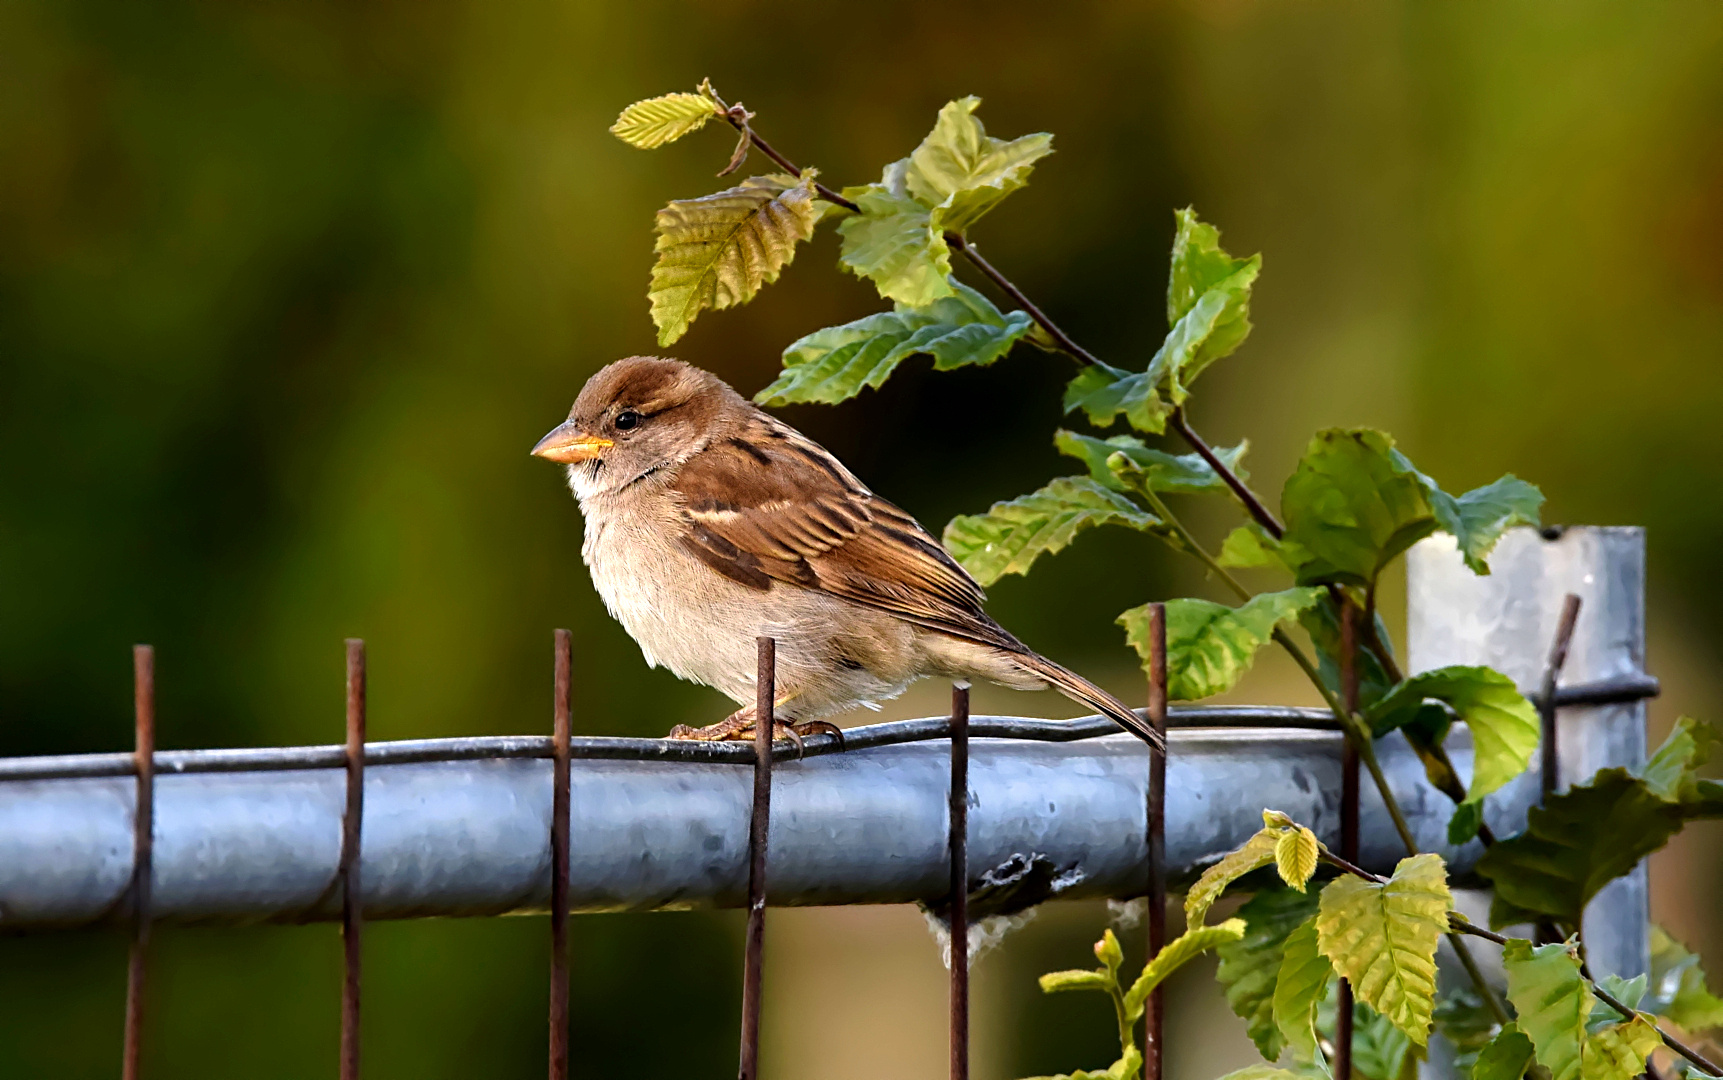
635 417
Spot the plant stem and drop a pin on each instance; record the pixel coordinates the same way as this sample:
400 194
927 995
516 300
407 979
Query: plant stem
738 119
958 243
1253 505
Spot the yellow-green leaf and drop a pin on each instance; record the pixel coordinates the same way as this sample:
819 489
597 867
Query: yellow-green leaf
1678 989
1506 1057
1263 1072
1174 955
1256 853
1295 856
961 172
1012 535
1383 938
1618 1052
652 123
894 244
718 251
1505 726
1304 975
1554 1002
1058 981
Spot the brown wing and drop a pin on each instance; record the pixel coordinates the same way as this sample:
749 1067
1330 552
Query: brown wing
769 506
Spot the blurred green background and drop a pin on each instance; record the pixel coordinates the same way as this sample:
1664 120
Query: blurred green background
287 290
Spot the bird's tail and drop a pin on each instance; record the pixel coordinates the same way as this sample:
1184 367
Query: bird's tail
1084 692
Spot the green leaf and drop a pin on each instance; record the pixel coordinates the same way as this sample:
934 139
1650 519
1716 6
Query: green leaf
894 244
720 250
1322 623
1295 856
1629 992
1574 845
1200 270
1381 1051
1253 854
1263 1072
1176 954
961 172
1478 518
652 123
1249 546
1467 819
1181 474
1505 726
1011 535
1210 646
1304 975
836 363
1506 1057
1466 1022
1673 771
1678 990
1250 967
1104 392
1554 1004
1552 1001
1353 505
1057 981
1383 938
1108 952
1126 1068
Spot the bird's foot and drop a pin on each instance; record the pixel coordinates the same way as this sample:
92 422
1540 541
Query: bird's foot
740 725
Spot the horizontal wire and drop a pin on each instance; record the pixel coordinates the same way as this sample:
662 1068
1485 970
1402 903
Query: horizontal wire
489 747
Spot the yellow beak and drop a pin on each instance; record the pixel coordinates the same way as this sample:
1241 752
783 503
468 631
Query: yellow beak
567 444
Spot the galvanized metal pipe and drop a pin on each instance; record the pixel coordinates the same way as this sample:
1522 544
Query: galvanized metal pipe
472 837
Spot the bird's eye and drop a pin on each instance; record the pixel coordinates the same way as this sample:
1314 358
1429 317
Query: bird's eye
626 419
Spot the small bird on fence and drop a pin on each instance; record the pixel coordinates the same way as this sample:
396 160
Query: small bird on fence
710 522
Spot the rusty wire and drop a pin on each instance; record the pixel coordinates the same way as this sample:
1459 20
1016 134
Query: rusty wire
1550 698
143 853
759 830
352 817
1154 1013
561 725
1349 783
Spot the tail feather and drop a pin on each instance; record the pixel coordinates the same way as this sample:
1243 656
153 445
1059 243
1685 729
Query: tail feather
1084 692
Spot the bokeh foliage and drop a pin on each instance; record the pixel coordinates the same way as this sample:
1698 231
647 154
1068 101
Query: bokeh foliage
287 291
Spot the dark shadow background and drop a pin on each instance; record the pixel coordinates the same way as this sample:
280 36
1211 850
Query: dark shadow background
287 291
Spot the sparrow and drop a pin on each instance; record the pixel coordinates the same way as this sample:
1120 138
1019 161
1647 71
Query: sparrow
710 522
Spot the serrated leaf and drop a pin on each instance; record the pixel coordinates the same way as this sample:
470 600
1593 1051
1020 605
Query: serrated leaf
1672 773
1478 518
1380 1051
653 122
1463 825
1253 854
1383 938
894 243
1304 976
961 172
1200 270
1055 982
1210 646
720 250
1168 474
1466 1022
1174 955
1105 392
1505 1057
1295 856
1629 992
1678 989
836 363
1574 845
1505 726
1250 967
1247 547
1012 535
1554 1003
1353 505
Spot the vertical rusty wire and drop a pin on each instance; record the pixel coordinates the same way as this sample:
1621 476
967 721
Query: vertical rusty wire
143 851
1348 817
351 889
1546 701
1154 1015
958 842
765 681
562 723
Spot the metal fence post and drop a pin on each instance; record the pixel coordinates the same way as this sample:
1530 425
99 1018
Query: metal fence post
1508 621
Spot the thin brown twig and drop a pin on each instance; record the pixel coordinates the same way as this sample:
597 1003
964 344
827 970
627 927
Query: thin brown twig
1061 339
738 119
